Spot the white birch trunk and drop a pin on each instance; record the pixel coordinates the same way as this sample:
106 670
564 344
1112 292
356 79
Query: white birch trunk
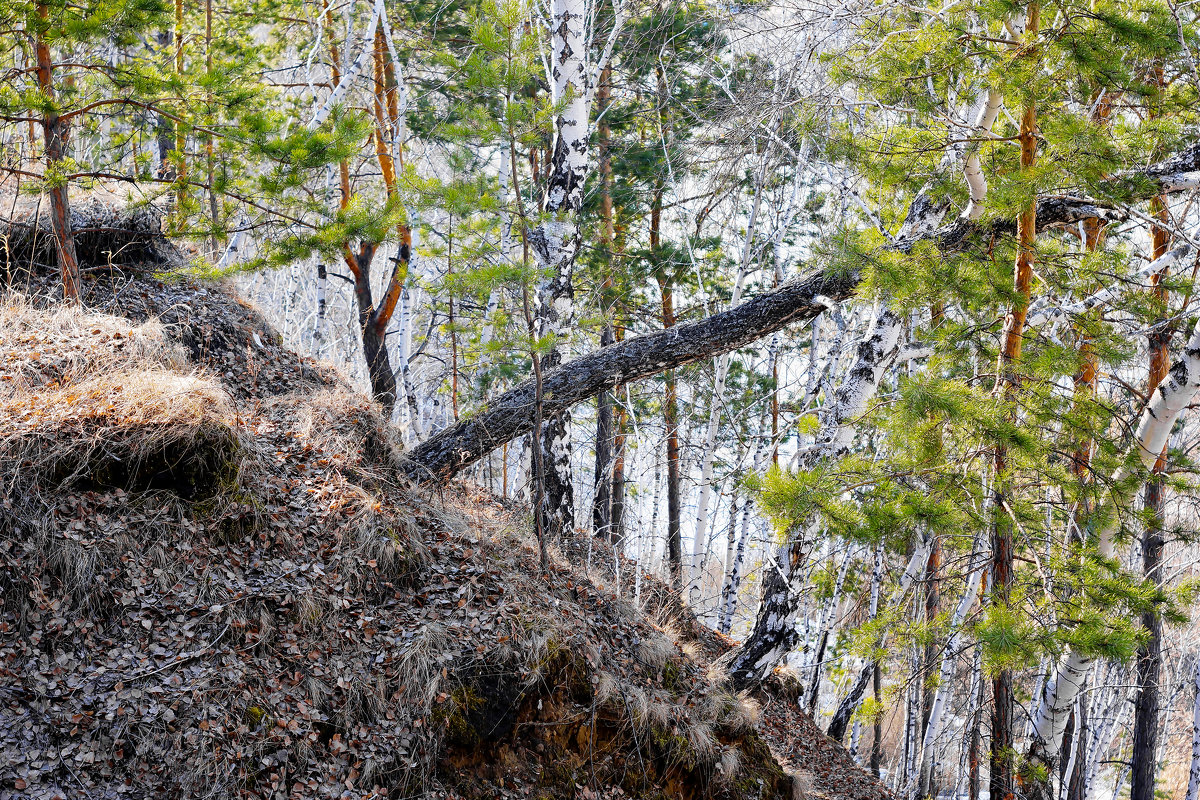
1166 404
954 646
415 425
699 539
1069 769
960 787
853 698
555 242
774 632
989 109
1193 787
825 631
1114 712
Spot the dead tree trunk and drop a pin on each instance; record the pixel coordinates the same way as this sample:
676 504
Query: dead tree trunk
453 449
511 415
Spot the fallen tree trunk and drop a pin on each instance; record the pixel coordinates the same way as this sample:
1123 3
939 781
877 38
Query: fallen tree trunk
443 455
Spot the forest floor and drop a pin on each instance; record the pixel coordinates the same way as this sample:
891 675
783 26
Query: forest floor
213 584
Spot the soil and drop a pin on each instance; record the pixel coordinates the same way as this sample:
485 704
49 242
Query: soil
320 628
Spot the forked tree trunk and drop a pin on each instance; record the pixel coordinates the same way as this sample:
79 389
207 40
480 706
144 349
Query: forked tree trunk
373 318
379 367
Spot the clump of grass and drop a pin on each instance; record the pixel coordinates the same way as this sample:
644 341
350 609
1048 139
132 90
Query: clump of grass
137 430
349 428
66 345
655 652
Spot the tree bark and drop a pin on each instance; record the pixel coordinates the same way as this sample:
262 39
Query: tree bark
826 629
700 542
975 746
618 469
1144 763
379 368
733 578
1001 778
877 728
555 243
443 455
935 711
774 633
671 421
54 128
180 133
1071 773
845 709
933 601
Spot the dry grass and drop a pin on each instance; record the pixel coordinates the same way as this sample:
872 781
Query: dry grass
656 651
149 429
66 345
93 399
355 629
348 427
728 764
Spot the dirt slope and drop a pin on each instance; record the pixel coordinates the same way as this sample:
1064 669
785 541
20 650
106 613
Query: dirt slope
213 585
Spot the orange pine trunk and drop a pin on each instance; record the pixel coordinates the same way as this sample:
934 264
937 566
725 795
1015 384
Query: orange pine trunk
54 130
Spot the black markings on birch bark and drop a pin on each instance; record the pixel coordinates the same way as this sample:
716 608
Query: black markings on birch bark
774 634
798 300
